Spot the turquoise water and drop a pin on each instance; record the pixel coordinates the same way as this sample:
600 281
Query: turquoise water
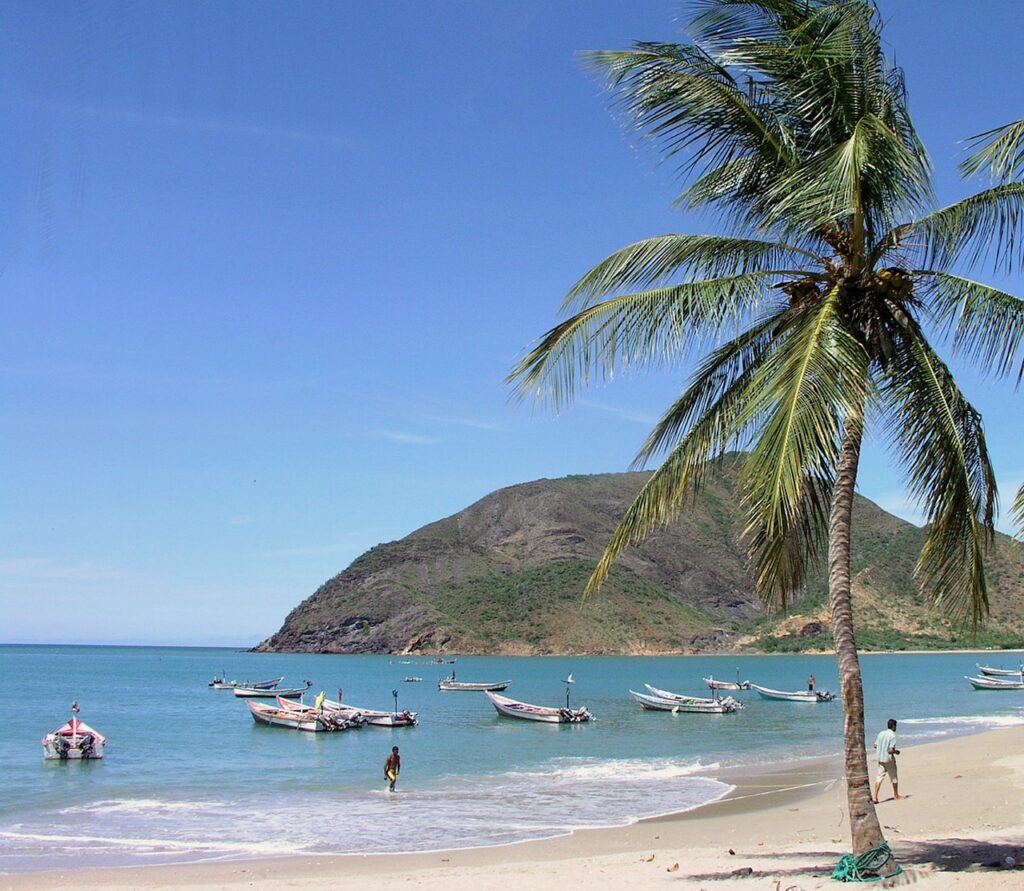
188 775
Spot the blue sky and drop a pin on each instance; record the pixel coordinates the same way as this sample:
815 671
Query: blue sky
263 268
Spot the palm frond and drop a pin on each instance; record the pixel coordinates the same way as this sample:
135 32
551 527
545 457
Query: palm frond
1000 151
986 227
816 376
986 324
871 176
642 330
721 372
655 261
1017 512
939 440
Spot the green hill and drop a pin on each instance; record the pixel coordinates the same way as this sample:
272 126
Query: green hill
504 576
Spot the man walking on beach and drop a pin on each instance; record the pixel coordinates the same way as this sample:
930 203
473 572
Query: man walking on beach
392 767
885 746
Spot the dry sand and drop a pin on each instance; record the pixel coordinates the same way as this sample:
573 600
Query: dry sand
782 829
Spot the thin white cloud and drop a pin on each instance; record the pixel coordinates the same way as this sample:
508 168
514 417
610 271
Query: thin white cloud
464 422
240 520
184 122
624 413
407 438
43 569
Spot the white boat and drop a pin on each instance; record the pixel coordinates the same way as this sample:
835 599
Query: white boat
368 716
412 679
74 741
510 708
451 685
794 696
727 685
695 706
988 671
676 697
303 718
995 684
223 684
274 693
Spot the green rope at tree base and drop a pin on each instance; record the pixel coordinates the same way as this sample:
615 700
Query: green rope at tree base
867 866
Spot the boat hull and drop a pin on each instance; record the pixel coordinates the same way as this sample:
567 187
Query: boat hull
695 706
370 717
811 696
255 693
219 684
459 686
305 719
994 684
510 708
988 671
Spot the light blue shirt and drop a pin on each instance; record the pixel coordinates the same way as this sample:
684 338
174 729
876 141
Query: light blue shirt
884 743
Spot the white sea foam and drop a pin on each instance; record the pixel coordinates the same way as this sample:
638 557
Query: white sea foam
143 806
1014 720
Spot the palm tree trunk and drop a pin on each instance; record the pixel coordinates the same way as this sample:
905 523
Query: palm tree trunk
864 827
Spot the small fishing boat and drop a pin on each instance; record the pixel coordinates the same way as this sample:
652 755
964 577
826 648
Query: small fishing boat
995 684
695 706
450 685
676 697
794 696
371 717
222 684
988 671
274 693
309 719
727 685
74 741
411 680
510 708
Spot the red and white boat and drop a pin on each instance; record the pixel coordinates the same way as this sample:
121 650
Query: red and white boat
74 741
303 718
369 716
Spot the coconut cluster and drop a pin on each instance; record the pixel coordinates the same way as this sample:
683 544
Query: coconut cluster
892 282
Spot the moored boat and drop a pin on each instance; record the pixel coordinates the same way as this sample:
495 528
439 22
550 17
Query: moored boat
74 741
694 706
273 693
727 685
677 697
371 717
222 684
510 708
304 718
411 679
450 685
795 695
991 672
995 684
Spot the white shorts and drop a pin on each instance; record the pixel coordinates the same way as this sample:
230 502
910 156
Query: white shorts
886 768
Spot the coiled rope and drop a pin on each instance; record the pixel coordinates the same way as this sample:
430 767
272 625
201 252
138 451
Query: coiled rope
867 867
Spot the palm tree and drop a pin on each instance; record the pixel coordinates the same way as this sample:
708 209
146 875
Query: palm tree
815 309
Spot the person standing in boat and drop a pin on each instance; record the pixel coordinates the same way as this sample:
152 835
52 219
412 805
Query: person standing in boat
811 681
392 767
886 751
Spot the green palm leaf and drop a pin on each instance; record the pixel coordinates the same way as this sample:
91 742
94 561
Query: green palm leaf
939 440
987 324
1001 151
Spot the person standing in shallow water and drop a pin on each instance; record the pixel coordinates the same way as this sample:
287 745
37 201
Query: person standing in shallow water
810 684
392 767
885 744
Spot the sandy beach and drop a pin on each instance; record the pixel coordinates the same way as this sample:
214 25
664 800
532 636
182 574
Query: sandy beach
782 828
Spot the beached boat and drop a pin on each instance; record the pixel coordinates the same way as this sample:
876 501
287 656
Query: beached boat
371 717
74 741
694 706
988 671
727 685
222 684
794 696
450 685
510 708
273 693
995 684
308 718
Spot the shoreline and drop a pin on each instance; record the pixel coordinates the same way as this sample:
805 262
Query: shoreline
787 820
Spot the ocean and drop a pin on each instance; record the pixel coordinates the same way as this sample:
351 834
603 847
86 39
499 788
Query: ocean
189 776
